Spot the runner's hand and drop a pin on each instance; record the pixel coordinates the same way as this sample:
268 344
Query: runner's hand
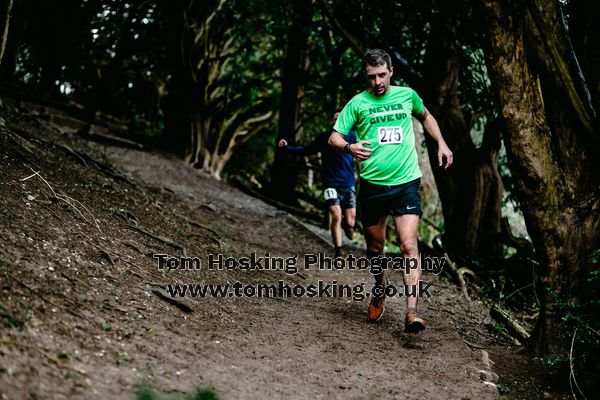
444 152
359 151
282 143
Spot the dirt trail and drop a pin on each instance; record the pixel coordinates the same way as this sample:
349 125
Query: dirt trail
79 318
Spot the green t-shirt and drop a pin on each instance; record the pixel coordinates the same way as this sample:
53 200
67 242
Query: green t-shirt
385 121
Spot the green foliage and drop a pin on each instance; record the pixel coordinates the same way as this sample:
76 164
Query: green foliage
124 58
147 393
504 389
498 328
582 328
595 260
552 362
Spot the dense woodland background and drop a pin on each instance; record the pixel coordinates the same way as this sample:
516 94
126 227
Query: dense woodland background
514 85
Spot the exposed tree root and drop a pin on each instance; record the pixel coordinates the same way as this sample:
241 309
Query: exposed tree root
198 224
162 239
460 275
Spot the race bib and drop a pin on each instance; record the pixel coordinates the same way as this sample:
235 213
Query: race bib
389 134
330 193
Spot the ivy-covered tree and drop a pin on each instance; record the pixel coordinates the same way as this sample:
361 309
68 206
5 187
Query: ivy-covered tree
552 143
221 88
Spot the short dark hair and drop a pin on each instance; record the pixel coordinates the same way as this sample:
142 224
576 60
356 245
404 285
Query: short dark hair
375 58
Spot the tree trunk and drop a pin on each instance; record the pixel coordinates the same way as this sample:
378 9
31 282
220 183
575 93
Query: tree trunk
181 122
471 190
561 211
284 173
5 8
585 36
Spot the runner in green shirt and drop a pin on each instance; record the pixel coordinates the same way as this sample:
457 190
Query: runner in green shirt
389 169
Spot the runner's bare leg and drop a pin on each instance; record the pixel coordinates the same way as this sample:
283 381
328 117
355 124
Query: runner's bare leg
350 215
375 237
407 229
335 212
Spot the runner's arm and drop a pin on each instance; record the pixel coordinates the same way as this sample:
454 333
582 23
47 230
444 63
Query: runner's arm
433 129
311 148
358 150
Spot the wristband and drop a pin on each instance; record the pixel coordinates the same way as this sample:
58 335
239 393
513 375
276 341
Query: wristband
347 148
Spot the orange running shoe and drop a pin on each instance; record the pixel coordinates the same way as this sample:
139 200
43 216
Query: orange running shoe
376 308
412 323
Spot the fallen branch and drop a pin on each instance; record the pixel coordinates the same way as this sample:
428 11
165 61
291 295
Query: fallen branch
50 357
513 326
73 153
88 132
21 142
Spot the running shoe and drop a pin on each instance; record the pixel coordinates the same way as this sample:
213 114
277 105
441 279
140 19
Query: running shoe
412 323
376 306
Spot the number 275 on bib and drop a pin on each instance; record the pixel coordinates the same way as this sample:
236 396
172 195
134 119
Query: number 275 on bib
389 134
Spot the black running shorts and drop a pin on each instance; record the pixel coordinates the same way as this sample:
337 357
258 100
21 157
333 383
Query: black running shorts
379 200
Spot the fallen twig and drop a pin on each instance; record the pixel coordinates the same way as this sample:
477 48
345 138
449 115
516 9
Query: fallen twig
67 199
21 142
518 290
516 329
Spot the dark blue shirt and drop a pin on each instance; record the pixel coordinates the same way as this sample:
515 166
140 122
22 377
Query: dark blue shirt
337 167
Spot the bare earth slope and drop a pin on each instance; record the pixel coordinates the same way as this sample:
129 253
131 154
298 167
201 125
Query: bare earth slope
83 315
